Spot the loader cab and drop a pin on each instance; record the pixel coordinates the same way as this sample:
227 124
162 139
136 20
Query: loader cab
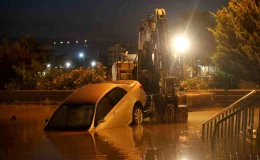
170 86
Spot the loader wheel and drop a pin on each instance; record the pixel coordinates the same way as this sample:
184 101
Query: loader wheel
137 115
170 115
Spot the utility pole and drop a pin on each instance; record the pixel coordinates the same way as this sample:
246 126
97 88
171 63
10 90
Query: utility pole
117 59
55 57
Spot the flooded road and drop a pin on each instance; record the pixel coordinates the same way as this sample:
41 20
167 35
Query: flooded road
24 138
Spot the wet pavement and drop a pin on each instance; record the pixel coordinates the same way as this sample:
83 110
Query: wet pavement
24 138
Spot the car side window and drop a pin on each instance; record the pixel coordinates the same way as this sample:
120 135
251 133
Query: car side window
116 95
104 106
107 103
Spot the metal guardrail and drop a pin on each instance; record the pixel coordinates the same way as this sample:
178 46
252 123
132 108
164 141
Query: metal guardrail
236 115
227 96
7 96
242 120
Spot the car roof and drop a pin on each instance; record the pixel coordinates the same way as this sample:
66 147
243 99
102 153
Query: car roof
128 82
89 94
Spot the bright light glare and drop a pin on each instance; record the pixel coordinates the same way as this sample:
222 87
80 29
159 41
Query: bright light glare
81 55
77 42
181 43
61 42
93 63
68 64
48 65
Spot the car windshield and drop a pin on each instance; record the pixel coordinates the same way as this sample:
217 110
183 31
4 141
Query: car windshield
71 117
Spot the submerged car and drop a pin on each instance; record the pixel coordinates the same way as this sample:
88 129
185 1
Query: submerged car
99 106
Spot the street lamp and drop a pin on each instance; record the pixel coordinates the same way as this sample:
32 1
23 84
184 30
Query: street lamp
181 44
81 55
93 63
68 64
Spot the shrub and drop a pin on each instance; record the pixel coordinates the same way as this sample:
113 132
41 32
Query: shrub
73 80
219 80
196 83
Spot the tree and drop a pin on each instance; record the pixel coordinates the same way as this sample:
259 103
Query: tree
21 61
26 76
237 34
6 70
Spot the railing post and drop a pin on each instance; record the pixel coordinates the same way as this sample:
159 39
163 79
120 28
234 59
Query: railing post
203 130
211 128
225 131
252 122
232 125
249 117
222 126
258 131
245 120
217 133
229 126
207 131
239 122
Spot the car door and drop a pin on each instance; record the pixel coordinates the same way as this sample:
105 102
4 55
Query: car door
109 109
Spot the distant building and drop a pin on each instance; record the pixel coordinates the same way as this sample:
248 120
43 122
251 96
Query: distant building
115 53
64 51
206 71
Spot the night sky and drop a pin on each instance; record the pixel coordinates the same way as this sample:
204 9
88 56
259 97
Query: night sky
85 19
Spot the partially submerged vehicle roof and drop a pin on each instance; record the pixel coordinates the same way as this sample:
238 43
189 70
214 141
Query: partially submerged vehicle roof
89 94
129 82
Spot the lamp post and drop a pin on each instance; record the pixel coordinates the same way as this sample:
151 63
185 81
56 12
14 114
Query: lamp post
81 55
55 56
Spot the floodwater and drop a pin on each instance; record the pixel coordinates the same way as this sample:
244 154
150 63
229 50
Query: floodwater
24 138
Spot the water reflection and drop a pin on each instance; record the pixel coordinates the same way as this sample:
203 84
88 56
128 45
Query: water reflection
18 138
239 147
115 143
24 138
133 142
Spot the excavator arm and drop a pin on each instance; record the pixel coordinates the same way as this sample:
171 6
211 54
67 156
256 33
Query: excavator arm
154 64
153 49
